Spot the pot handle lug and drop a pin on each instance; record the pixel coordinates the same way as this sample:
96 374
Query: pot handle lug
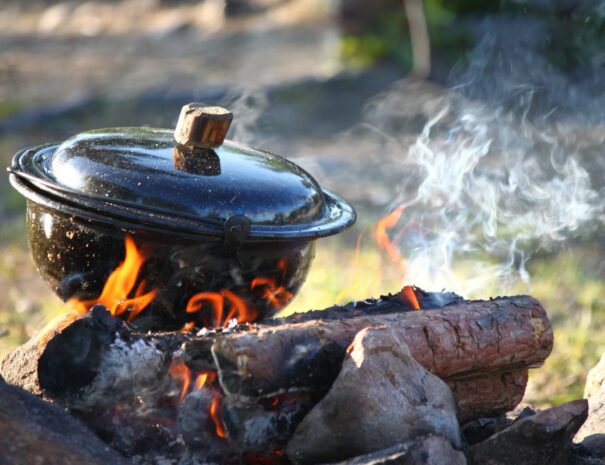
237 229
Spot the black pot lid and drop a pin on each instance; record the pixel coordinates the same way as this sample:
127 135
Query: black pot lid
143 176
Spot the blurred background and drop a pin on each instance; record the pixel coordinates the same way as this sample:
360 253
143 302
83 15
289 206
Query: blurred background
475 127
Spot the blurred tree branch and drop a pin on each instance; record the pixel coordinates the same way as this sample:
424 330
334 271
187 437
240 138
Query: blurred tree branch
419 38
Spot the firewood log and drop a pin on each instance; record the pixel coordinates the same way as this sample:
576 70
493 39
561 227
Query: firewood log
488 395
482 349
462 340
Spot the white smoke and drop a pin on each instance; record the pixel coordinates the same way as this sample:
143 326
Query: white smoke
493 178
248 106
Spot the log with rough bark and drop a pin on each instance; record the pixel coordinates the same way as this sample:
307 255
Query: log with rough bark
492 394
482 349
461 340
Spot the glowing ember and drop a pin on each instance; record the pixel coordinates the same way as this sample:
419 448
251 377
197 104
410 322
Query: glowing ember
119 286
408 293
215 416
178 370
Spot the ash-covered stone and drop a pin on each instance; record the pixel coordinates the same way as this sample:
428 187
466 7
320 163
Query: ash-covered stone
540 439
381 398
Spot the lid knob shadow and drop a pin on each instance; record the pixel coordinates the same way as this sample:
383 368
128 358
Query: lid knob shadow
202 126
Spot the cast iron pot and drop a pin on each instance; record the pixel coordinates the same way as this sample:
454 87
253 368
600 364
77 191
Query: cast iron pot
207 215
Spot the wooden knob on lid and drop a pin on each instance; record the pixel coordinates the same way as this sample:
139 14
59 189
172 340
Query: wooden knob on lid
202 126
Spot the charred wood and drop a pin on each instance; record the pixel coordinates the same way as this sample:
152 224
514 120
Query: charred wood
196 427
481 349
89 362
117 380
264 425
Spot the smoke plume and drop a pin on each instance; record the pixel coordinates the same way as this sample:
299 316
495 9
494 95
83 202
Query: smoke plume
506 165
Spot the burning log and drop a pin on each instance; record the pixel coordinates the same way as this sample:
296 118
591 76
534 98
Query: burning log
270 375
88 362
487 344
463 340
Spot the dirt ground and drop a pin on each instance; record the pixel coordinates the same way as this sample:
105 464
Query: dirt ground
70 50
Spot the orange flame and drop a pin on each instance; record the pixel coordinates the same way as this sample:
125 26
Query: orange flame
119 285
382 236
215 416
188 326
277 296
203 378
408 293
114 296
237 307
384 242
178 370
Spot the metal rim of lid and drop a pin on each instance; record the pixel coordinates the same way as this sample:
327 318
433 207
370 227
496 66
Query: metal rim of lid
338 216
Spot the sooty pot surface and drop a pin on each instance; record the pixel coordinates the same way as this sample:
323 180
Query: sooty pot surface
76 258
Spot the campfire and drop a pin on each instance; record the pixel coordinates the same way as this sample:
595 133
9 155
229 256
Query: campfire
237 390
212 377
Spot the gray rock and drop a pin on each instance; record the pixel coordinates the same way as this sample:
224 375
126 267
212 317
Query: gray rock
425 450
476 431
582 456
432 450
579 460
382 397
595 379
35 432
595 425
595 444
540 439
593 430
